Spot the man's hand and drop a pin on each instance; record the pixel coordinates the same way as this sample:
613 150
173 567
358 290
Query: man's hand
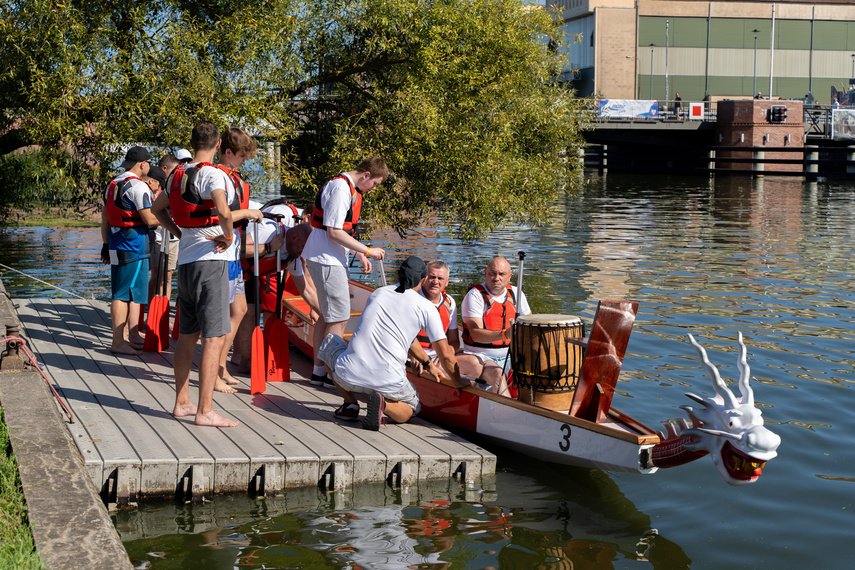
221 244
276 243
376 253
105 254
365 262
414 363
436 372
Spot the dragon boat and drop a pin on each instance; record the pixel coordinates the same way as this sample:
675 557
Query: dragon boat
571 421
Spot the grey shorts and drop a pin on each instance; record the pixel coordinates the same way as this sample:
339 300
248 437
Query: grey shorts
333 287
333 346
203 292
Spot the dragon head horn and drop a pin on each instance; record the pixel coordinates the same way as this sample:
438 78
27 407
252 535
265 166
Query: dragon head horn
719 386
744 374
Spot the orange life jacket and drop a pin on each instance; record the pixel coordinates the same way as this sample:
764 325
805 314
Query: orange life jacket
188 209
497 316
351 219
444 314
118 214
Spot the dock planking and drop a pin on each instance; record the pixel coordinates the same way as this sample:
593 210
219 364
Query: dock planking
135 451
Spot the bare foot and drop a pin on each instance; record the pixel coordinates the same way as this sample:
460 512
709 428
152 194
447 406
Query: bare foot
125 348
229 379
221 386
185 410
214 419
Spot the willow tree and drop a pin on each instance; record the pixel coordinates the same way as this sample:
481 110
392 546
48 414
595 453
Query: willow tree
459 96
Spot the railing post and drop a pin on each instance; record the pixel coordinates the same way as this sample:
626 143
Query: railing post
811 167
759 167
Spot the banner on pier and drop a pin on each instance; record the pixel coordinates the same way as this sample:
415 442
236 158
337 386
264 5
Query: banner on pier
628 108
843 124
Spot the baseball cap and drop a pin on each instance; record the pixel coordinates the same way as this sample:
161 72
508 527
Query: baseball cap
135 155
412 271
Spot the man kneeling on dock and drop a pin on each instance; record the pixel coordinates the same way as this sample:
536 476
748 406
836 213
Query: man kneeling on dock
374 361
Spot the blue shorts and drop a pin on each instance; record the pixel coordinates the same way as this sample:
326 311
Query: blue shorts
130 281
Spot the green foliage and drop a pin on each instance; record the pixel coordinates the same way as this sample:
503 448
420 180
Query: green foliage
17 549
41 178
458 95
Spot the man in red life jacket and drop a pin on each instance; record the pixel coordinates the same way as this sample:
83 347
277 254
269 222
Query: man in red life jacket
433 289
334 219
167 164
200 201
125 220
487 311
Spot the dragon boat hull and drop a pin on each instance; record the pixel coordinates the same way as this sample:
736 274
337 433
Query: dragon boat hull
617 443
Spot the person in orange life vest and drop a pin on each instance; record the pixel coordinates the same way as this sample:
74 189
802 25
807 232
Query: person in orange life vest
433 289
334 218
236 147
125 220
167 164
292 262
487 311
200 198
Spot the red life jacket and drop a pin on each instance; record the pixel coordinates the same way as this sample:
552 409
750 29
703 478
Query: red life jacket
496 317
188 209
242 190
351 219
444 314
118 214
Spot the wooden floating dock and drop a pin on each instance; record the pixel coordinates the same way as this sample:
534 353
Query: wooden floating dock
134 450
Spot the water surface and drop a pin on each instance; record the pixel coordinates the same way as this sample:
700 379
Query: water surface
771 257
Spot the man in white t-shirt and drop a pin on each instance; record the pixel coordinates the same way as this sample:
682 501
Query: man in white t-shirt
125 220
201 215
335 216
487 311
374 361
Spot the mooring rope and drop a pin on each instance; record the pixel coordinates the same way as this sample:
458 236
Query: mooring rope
43 282
16 342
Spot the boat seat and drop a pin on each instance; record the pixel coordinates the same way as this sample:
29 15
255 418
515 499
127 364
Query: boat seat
605 348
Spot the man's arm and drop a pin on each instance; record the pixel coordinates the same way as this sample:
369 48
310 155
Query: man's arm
307 291
105 236
453 338
481 334
147 217
449 362
223 242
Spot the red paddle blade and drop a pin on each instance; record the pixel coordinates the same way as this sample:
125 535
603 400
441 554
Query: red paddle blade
258 383
163 323
175 324
278 363
152 328
279 344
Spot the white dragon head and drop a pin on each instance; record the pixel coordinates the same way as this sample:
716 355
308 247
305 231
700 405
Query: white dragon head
729 428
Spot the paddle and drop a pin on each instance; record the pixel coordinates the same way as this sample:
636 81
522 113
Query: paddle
164 302
152 342
278 359
258 370
382 272
512 387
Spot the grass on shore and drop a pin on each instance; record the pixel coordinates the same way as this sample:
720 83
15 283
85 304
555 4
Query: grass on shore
84 216
17 549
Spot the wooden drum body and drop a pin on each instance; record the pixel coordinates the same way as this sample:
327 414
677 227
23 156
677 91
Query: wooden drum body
546 367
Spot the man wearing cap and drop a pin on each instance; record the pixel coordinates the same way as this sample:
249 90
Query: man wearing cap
125 220
183 155
374 361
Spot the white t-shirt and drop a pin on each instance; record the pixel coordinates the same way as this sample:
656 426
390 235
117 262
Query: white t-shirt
377 353
335 201
473 307
452 319
195 245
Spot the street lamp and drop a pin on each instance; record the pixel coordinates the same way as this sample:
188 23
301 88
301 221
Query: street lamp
754 88
651 71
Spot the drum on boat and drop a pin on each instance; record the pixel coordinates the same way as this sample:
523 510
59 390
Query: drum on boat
546 367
